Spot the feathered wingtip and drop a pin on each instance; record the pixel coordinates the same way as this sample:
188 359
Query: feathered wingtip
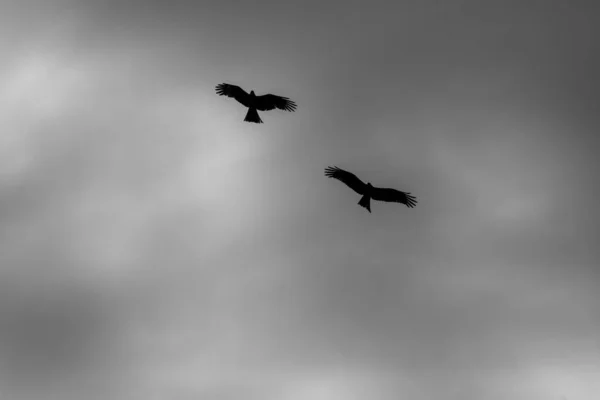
411 201
289 105
221 89
329 171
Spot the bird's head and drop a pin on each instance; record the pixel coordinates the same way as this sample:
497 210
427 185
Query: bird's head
252 93
369 186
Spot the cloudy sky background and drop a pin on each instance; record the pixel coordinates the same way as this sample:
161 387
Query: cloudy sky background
155 246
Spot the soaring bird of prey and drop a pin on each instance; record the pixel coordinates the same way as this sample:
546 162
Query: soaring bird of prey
265 102
368 191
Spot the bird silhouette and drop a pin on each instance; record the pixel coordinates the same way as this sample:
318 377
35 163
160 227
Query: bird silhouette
369 191
265 102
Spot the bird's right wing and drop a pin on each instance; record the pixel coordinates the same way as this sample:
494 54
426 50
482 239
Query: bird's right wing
225 89
269 102
347 177
394 196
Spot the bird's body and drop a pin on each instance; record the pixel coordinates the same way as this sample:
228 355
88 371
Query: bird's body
369 191
255 103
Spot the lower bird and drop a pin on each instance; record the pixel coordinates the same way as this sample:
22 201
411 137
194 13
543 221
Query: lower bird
368 191
255 103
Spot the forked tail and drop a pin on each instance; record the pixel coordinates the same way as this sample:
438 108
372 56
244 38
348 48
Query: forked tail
252 116
365 202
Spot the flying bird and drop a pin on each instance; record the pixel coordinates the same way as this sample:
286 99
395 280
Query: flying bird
265 102
368 191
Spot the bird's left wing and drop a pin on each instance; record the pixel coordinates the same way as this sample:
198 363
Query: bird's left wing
269 102
225 89
393 196
351 180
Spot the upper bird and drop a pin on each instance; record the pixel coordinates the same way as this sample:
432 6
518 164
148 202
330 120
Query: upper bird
265 102
369 191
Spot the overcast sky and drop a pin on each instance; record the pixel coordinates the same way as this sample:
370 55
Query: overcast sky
153 245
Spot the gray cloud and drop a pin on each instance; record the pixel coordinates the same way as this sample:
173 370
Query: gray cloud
154 245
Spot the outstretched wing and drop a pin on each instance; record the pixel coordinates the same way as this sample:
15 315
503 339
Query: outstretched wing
348 178
225 89
393 196
270 101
